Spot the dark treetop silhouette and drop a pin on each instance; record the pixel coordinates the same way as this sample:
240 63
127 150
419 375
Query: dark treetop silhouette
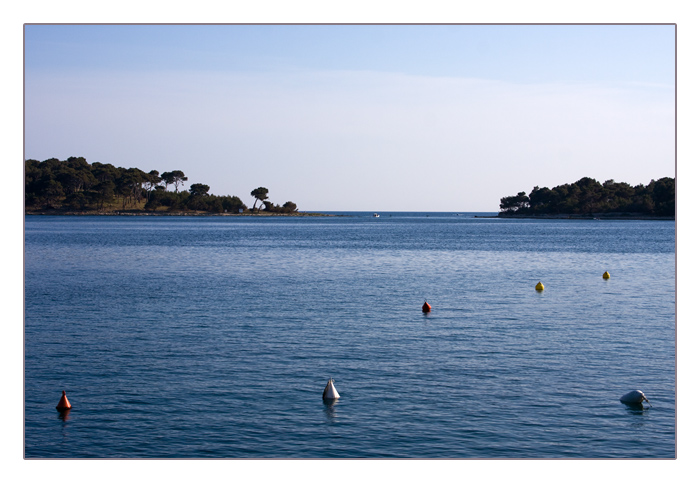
76 185
588 197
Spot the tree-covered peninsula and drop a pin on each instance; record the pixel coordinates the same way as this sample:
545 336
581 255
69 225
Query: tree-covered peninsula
588 197
74 185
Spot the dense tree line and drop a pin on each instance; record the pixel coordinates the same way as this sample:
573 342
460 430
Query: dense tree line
76 185
588 196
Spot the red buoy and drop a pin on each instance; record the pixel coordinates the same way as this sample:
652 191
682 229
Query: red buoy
63 404
426 307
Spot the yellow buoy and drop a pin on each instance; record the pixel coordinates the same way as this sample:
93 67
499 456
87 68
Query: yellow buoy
606 275
539 286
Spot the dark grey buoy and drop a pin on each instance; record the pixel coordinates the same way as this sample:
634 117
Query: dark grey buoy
634 398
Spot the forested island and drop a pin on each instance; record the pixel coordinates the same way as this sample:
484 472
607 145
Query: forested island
589 198
76 186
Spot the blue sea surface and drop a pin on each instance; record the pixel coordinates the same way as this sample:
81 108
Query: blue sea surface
214 337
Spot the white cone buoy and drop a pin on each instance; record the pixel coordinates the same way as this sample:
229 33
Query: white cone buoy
329 392
634 398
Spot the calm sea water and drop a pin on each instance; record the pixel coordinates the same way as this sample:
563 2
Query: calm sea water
213 337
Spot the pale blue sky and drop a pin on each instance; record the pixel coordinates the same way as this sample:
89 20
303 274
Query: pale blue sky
358 117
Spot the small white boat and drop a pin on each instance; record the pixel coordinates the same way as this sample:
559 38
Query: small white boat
376 215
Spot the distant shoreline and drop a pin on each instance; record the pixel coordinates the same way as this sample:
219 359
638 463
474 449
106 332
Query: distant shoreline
592 216
163 213
263 214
